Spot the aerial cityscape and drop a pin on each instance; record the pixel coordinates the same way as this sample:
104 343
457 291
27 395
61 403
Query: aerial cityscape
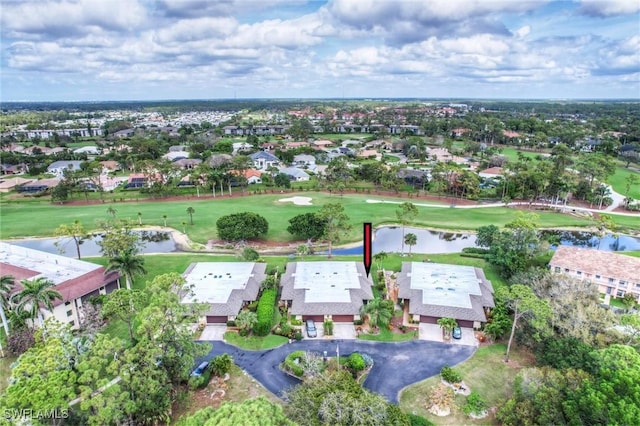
344 212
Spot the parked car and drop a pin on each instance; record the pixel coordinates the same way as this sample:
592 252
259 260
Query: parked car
200 369
457 333
311 328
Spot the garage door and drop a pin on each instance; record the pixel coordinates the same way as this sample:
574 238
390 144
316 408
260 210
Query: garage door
428 320
216 319
463 323
342 318
316 318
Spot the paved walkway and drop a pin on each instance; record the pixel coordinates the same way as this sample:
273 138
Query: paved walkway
396 365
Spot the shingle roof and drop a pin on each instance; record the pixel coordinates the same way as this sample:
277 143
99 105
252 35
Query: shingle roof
297 296
264 156
416 305
237 296
590 261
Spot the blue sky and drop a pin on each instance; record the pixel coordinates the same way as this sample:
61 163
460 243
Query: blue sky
200 49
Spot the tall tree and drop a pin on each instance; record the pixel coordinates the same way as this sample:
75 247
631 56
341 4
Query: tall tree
447 325
411 240
7 283
525 305
190 212
336 223
124 304
75 231
36 293
309 226
127 263
405 213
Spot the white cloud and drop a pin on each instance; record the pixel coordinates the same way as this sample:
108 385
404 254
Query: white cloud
606 8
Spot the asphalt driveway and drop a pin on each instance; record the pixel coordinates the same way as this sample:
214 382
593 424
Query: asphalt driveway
396 365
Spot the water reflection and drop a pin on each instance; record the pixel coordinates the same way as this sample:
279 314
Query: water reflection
152 242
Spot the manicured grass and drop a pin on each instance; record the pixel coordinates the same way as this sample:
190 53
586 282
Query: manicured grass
631 253
617 181
485 372
254 343
391 158
512 153
41 218
387 336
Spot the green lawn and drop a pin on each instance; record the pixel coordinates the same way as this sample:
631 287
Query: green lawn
254 343
387 336
512 153
485 372
41 218
631 253
617 181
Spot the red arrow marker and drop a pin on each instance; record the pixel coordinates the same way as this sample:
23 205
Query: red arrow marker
366 229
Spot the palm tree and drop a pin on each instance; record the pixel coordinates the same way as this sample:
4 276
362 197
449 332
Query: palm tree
379 257
447 325
410 239
7 282
128 264
184 227
164 217
378 313
190 212
112 211
246 320
139 218
34 294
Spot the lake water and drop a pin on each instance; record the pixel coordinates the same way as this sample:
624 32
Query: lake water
389 239
153 242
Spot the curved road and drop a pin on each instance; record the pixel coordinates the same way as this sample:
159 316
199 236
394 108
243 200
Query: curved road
396 365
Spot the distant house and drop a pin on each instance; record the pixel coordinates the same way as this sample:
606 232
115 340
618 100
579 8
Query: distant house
242 147
253 176
615 274
13 169
321 144
58 167
76 280
304 160
9 184
187 163
126 133
432 291
294 145
176 155
295 174
89 150
490 173
326 290
110 165
224 286
136 180
263 160
38 186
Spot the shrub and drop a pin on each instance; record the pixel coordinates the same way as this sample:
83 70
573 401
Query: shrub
450 375
296 321
231 323
292 365
417 420
298 335
358 322
356 362
221 365
475 404
253 306
328 328
476 250
250 254
198 382
266 308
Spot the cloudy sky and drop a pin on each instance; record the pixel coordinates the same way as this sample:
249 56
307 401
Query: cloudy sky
200 49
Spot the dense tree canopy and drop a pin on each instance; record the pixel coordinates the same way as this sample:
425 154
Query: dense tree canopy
241 226
251 412
309 226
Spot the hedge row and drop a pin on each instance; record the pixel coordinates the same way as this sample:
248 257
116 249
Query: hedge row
476 250
266 307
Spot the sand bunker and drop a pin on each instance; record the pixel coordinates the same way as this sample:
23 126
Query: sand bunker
298 201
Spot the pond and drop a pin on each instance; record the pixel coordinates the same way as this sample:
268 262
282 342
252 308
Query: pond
153 242
389 239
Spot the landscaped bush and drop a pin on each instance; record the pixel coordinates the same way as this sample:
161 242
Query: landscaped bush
417 420
221 364
198 382
231 323
265 311
296 321
476 250
356 362
292 365
328 328
253 306
450 375
250 254
475 405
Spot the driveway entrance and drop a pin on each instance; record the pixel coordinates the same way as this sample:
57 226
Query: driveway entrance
213 332
433 333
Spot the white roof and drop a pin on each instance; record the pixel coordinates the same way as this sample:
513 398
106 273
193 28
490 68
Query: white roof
445 285
213 282
57 268
326 282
